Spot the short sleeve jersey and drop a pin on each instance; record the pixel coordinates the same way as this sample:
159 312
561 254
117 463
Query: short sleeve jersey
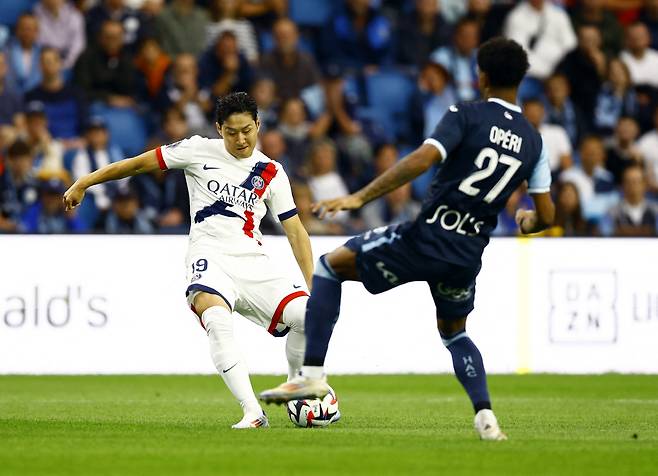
488 150
228 196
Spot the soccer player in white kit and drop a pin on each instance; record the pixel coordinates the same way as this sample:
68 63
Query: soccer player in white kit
231 185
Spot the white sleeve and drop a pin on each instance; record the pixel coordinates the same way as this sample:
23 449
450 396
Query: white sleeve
177 155
540 180
280 202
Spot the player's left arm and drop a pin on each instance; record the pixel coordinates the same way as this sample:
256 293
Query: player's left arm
402 172
301 246
539 188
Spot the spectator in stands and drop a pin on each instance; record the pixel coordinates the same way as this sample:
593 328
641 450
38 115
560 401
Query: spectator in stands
432 98
641 60
98 153
125 216
324 180
11 104
181 28
615 99
298 131
314 226
153 64
519 199
593 13
394 207
18 185
164 200
561 110
420 32
183 92
61 26
291 69
648 146
23 53
263 13
264 93
621 150
595 184
223 69
358 37
48 152
569 219
47 215
460 59
554 137
106 71
65 107
585 68
116 10
635 215
489 15
545 31
649 16
225 15
273 145
173 128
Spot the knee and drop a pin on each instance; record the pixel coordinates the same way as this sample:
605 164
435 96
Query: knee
450 328
204 301
295 313
340 264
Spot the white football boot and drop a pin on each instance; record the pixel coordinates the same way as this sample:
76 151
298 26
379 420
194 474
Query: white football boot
298 388
487 426
248 422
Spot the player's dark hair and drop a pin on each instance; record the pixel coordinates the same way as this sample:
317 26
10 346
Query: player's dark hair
504 61
235 103
19 149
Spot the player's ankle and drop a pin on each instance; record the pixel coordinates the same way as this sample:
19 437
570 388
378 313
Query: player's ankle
252 408
315 372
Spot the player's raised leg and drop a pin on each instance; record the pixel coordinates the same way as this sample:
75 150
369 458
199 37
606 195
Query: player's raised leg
469 370
293 317
217 319
321 315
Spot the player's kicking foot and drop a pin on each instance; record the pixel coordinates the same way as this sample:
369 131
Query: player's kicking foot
248 422
487 426
296 389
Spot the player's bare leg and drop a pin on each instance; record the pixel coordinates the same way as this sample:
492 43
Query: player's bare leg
321 316
469 369
217 319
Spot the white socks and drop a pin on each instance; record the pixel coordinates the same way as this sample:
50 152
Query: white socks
227 359
293 316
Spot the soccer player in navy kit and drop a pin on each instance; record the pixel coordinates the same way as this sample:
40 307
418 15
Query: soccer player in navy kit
486 149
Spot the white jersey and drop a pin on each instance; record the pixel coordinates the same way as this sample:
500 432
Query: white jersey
228 196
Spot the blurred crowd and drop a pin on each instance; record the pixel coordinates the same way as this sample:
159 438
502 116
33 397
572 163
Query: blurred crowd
344 88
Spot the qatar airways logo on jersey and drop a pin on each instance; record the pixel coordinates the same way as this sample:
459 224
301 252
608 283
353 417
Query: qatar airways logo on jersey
233 194
454 220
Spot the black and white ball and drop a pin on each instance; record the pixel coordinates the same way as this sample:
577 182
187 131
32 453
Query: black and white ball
314 412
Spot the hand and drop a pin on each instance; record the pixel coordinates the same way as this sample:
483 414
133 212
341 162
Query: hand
526 219
73 196
331 207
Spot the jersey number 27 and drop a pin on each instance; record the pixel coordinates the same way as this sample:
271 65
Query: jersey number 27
467 185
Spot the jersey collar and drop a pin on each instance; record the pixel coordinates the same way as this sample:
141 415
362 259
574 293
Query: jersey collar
506 104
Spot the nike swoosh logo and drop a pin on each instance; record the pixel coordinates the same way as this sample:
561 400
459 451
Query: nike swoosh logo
205 167
296 286
224 371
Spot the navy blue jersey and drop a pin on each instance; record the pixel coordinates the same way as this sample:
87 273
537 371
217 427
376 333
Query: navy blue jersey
488 150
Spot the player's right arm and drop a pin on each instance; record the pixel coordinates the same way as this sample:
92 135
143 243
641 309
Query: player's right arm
143 163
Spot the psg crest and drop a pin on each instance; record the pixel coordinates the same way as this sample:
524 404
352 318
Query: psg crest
258 182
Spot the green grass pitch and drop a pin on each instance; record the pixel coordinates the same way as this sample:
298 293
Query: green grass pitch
392 425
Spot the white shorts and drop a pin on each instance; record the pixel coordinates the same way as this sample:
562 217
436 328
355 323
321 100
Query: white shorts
251 285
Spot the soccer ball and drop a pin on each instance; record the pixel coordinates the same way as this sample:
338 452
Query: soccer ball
314 412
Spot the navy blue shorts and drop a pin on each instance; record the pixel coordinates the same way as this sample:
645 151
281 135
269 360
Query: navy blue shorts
384 261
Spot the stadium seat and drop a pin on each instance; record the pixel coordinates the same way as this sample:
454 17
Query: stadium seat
311 12
389 93
10 10
126 127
